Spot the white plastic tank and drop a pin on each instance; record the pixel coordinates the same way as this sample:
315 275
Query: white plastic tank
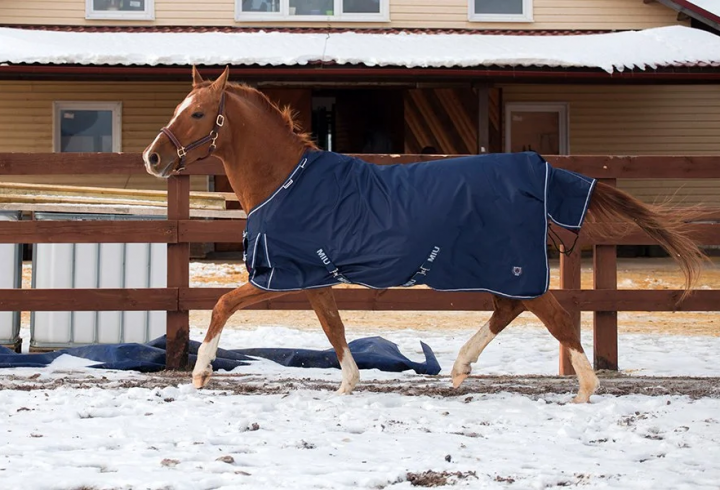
93 265
10 277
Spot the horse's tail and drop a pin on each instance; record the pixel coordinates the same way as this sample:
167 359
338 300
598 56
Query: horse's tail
665 224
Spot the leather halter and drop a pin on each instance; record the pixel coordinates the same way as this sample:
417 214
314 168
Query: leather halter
182 151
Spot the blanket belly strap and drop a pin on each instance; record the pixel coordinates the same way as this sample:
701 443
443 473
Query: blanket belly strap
421 275
331 268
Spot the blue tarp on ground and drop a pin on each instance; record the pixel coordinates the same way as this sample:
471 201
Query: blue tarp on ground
369 353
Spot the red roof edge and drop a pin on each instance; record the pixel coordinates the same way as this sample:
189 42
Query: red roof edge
300 30
557 75
700 12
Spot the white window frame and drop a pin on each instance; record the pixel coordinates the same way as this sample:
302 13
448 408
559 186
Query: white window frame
115 107
284 14
526 16
562 108
147 14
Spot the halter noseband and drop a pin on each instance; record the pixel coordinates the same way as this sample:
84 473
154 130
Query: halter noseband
182 151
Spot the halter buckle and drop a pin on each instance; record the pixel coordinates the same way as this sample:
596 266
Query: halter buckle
181 152
220 120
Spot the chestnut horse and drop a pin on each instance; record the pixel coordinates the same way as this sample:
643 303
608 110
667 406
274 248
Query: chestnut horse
259 145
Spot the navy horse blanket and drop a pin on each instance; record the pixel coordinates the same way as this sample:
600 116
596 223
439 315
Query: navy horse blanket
474 223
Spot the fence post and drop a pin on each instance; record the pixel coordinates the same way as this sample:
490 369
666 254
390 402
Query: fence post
605 327
570 279
178 275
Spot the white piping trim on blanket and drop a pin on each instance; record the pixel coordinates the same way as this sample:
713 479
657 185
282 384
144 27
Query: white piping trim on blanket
267 288
267 252
257 239
272 271
587 203
283 186
581 177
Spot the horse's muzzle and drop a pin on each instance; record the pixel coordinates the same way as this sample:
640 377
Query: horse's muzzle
156 166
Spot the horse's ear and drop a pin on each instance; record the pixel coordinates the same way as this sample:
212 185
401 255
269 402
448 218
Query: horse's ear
197 79
221 81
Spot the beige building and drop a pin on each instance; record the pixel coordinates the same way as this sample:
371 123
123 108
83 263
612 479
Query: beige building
456 76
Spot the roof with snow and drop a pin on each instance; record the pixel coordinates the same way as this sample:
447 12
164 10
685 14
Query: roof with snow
613 52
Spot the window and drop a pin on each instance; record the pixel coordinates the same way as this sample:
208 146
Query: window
120 9
500 10
313 10
87 126
540 127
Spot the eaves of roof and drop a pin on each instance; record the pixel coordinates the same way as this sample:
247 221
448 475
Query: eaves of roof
307 30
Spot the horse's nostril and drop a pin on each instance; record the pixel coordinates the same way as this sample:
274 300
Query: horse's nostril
154 158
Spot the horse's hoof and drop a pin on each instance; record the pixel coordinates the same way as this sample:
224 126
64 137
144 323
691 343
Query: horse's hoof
200 380
458 379
344 390
581 399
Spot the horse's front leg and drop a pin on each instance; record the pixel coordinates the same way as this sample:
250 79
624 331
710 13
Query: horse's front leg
323 302
228 304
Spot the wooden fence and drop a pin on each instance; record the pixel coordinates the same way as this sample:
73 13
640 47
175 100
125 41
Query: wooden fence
178 231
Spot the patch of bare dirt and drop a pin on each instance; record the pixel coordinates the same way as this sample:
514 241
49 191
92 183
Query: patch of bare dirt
432 478
436 386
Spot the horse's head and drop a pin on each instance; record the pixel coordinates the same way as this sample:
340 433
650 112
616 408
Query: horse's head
192 132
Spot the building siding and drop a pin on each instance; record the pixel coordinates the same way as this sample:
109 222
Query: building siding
548 14
603 119
640 120
26 125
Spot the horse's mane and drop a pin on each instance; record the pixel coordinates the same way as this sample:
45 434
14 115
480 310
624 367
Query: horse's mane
285 114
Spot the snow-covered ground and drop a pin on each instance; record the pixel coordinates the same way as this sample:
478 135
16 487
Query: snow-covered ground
109 435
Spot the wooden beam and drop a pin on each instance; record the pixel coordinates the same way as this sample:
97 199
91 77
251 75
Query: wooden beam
398 299
421 299
178 276
605 326
570 273
125 231
598 166
105 299
201 231
119 209
49 193
702 233
483 137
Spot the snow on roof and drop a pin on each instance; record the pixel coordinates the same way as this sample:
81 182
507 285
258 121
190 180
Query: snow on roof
650 48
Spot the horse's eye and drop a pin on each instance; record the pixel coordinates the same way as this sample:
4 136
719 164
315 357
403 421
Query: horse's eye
198 115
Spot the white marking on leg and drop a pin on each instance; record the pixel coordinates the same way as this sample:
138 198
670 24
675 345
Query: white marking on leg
470 352
350 373
586 376
203 365
472 349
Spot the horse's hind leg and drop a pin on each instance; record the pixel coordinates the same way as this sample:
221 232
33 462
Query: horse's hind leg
559 323
228 304
323 302
505 311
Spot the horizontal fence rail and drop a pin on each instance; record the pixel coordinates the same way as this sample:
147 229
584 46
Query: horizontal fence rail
178 231
416 299
597 166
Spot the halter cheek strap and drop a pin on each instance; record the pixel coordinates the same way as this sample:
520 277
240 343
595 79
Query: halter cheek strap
182 151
